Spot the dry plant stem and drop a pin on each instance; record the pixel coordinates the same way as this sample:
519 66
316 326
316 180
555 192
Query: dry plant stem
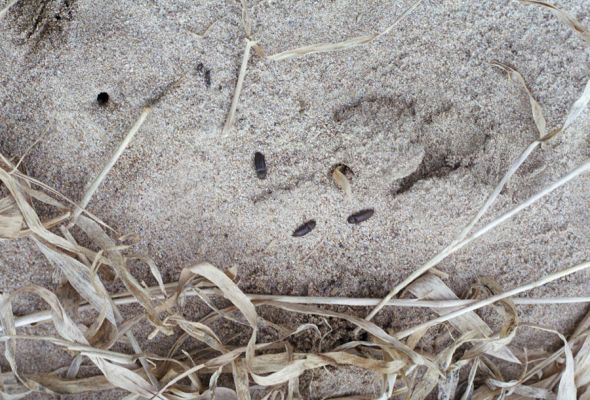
486 302
109 165
125 298
450 248
47 224
234 103
5 9
343 45
26 153
578 171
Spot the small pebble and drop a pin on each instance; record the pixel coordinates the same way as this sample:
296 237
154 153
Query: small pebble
361 216
305 228
260 165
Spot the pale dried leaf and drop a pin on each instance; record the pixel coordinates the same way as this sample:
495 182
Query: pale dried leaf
433 288
342 181
80 277
11 220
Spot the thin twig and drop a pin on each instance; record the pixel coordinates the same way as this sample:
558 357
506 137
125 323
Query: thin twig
47 224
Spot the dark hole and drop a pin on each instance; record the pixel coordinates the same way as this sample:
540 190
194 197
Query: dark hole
57 17
102 98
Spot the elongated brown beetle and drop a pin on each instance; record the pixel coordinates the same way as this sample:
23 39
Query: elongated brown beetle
305 228
260 165
361 216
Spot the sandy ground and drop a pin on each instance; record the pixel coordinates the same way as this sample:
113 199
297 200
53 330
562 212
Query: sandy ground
420 116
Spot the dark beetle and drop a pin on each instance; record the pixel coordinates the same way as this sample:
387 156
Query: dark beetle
207 78
305 228
361 216
260 165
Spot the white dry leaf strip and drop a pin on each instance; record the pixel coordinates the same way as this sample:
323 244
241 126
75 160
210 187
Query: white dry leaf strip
80 278
11 220
231 115
341 181
536 108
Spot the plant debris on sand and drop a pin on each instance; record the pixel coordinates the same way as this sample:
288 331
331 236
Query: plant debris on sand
469 367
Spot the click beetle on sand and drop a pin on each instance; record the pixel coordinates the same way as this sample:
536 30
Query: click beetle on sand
360 216
305 228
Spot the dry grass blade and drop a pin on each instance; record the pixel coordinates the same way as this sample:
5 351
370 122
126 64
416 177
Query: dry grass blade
468 393
577 108
80 278
7 7
109 165
246 20
582 375
231 115
11 220
343 45
564 17
50 223
126 298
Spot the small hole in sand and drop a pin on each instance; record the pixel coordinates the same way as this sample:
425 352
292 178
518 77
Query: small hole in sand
102 98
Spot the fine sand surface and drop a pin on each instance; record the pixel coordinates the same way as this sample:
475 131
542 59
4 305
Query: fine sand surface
424 121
